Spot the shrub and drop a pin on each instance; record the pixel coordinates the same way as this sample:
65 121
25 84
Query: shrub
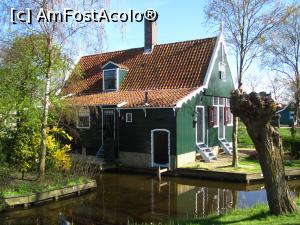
292 144
24 149
26 146
57 149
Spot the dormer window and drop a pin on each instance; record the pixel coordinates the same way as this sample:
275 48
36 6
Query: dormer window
113 75
110 79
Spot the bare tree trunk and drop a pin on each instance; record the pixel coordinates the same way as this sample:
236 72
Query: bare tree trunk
45 113
269 147
235 159
256 112
44 130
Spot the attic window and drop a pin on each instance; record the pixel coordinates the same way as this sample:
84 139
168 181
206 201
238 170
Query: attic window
110 80
222 70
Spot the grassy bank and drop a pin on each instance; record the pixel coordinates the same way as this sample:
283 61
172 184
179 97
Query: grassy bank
15 186
258 214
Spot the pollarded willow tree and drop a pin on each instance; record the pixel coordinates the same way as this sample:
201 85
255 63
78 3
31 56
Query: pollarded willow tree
64 36
257 111
282 54
245 24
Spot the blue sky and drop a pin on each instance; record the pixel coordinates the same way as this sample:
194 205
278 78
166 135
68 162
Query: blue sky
178 21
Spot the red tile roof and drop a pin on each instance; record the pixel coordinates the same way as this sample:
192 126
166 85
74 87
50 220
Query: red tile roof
180 65
156 98
175 65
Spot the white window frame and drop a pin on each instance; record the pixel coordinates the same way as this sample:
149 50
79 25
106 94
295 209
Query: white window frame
117 80
222 70
89 118
127 119
216 106
231 115
152 148
203 128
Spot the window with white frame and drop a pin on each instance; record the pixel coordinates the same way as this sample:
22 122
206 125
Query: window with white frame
128 117
216 111
110 80
200 124
222 70
83 117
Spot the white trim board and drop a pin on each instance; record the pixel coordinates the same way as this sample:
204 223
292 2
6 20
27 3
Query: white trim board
219 43
115 64
68 73
203 125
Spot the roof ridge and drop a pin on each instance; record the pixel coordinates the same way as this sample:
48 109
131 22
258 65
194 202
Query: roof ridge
128 49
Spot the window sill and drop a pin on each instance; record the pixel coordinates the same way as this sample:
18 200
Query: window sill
86 128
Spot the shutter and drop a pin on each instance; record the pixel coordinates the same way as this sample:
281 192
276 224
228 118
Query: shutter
226 113
210 116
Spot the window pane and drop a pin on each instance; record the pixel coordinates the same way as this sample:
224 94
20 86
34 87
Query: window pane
83 117
128 117
110 80
200 123
221 101
216 109
83 111
83 121
215 101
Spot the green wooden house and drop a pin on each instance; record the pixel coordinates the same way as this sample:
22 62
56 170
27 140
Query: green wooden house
159 105
287 114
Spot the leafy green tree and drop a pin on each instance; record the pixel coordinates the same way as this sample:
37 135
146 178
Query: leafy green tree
23 65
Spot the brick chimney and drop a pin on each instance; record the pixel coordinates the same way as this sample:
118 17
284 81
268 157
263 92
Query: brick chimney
150 35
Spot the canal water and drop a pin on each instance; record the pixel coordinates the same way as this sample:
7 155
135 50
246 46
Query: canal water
127 198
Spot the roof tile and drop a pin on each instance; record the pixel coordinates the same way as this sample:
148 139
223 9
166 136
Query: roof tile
168 66
156 98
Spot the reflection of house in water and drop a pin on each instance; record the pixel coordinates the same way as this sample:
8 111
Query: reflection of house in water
168 198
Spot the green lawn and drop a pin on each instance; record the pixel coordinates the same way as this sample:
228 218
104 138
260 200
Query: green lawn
244 141
258 214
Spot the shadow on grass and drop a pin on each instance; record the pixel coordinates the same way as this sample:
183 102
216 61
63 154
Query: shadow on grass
216 220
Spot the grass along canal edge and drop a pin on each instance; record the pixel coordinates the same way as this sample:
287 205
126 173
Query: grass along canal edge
258 214
29 191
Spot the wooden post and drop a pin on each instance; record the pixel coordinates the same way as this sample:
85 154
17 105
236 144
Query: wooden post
158 173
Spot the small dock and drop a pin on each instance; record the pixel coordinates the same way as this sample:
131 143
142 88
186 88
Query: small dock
231 176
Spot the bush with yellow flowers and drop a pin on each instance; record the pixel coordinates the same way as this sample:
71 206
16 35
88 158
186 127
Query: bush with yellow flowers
27 146
57 149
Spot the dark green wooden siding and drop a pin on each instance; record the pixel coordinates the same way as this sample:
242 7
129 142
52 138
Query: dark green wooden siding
136 136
